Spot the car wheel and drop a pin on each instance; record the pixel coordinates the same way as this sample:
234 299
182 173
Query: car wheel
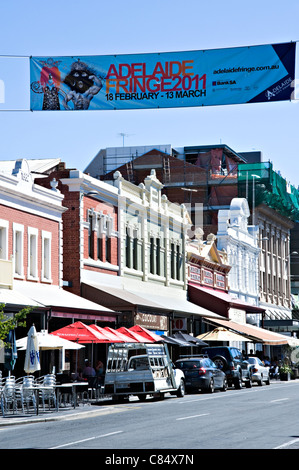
220 362
238 382
260 382
224 385
267 382
248 383
181 390
211 387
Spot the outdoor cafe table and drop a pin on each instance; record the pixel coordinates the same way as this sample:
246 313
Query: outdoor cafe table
73 386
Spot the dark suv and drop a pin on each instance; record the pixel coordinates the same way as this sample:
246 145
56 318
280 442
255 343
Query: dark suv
231 361
201 373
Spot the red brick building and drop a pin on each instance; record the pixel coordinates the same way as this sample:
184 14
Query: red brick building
90 227
31 253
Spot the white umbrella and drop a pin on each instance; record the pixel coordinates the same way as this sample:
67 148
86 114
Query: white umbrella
48 341
32 362
222 334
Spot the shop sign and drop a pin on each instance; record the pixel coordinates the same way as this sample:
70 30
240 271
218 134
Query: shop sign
237 315
150 321
179 324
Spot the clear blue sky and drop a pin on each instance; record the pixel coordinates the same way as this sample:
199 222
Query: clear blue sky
67 28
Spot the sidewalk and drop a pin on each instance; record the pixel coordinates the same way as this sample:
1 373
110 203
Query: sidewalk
67 412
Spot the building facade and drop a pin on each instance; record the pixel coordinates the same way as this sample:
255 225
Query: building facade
124 248
240 242
219 175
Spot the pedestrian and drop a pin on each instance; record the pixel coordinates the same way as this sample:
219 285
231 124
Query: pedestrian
267 361
100 372
88 370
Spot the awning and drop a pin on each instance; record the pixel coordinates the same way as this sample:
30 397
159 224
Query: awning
255 333
219 301
177 304
13 298
277 313
63 303
117 298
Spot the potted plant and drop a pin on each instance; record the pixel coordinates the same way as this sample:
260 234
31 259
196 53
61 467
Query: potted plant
285 372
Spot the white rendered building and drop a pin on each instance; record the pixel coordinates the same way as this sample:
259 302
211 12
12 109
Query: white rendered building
240 241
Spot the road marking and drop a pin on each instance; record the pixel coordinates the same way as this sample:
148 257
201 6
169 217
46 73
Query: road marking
194 416
280 399
85 440
287 444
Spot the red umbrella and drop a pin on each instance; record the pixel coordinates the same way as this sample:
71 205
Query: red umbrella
144 332
121 335
81 333
134 335
111 337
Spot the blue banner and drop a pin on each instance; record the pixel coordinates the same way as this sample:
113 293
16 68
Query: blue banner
164 80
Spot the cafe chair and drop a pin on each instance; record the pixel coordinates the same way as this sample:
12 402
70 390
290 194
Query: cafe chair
11 395
26 389
49 393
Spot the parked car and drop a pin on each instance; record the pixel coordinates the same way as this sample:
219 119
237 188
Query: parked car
260 373
141 369
201 373
231 361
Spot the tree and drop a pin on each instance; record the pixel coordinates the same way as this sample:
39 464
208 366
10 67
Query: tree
10 323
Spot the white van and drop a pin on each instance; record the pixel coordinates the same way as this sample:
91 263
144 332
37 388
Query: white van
141 369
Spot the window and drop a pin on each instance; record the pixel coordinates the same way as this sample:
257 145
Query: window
18 249
135 250
108 248
158 260
178 262
152 255
46 256
172 261
90 237
32 252
128 248
100 248
102 229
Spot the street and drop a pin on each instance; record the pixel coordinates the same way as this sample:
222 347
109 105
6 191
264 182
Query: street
257 418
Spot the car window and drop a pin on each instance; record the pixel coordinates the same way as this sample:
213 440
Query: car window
251 360
139 363
259 362
189 365
209 363
237 354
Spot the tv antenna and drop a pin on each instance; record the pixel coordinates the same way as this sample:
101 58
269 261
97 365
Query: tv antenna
123 136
